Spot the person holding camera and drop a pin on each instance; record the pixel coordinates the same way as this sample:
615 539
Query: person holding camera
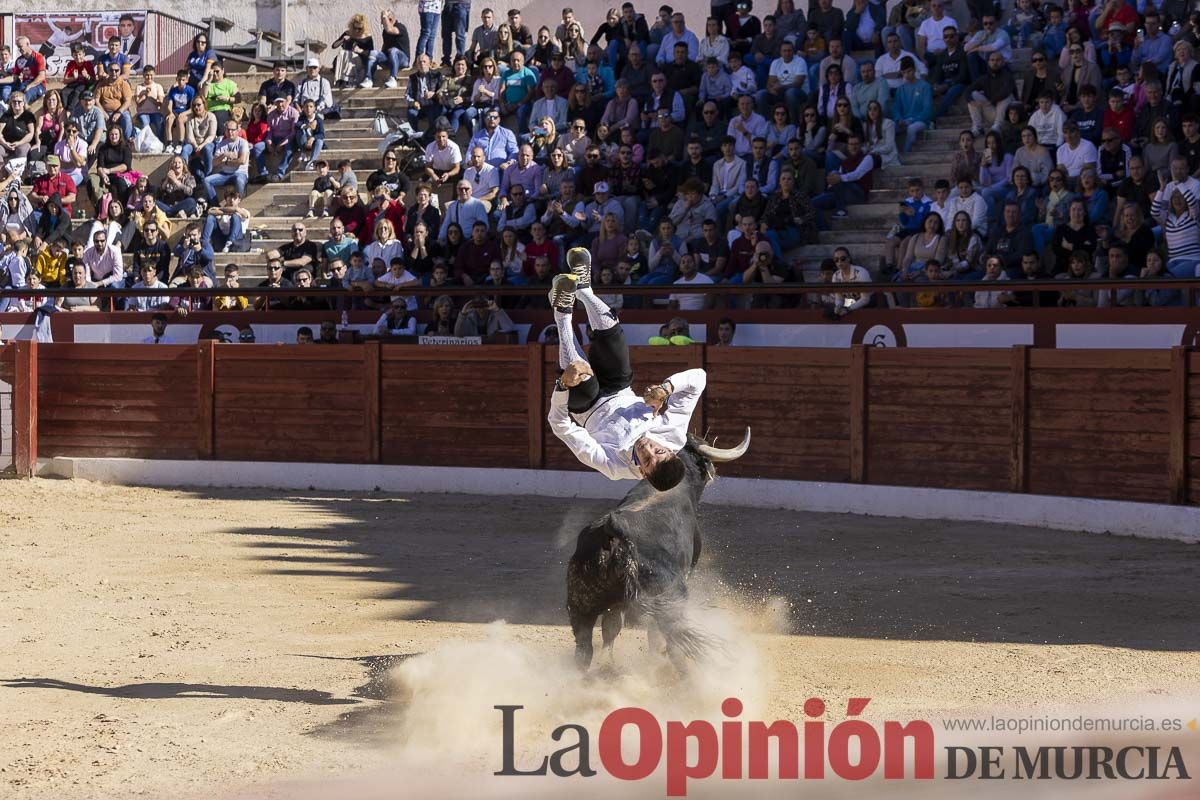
483 317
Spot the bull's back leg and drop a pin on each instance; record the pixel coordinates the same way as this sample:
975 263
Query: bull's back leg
610 628
581 626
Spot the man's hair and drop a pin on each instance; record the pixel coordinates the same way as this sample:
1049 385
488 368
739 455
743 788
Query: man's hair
667 474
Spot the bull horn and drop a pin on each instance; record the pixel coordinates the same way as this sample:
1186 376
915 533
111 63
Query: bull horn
721 455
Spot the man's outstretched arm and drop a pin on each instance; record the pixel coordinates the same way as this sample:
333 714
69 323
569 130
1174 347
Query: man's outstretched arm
686 388
580 442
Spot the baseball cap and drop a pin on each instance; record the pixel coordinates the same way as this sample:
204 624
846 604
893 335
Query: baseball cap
313 62
601 186
52 160
88 95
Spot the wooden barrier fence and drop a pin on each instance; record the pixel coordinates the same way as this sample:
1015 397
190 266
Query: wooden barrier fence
1121 424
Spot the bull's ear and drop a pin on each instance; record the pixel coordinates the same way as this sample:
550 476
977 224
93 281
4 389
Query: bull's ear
719 455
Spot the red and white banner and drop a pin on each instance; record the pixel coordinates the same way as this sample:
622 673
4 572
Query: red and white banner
54 34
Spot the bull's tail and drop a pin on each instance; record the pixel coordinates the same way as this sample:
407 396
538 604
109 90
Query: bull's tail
683 636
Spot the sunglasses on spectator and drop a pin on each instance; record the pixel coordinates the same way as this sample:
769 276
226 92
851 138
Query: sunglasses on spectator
840 259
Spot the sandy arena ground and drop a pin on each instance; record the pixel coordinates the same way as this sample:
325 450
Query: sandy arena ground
185 644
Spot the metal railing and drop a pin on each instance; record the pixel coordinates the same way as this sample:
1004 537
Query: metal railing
170 39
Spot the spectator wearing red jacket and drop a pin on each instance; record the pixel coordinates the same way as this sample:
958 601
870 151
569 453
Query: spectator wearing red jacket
1119 114
54 182
384 207
78 76
353 215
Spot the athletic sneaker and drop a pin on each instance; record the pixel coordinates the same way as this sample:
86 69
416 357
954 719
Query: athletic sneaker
562 293
366 84
579 261
390 83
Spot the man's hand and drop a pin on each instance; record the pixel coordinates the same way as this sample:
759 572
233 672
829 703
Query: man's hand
655 397
576 373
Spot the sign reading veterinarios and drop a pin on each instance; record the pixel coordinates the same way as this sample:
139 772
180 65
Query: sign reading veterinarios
54 34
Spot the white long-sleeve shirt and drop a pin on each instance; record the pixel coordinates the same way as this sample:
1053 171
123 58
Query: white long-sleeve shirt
603 437
976 208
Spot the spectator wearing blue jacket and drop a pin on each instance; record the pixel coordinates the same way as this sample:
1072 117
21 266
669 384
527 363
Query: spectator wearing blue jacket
1054 35
914 208
912 108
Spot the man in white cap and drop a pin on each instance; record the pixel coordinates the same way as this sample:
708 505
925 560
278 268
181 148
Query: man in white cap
314 87
592 213
593 409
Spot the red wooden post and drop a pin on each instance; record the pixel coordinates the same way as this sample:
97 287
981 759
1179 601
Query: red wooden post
206 374
858 413
1019 385
537 409
373 376
25 408
1177 461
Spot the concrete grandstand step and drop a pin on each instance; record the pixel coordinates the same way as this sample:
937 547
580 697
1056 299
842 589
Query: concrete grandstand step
306 178
858 235
861 250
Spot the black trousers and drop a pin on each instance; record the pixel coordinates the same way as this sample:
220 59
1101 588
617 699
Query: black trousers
608 356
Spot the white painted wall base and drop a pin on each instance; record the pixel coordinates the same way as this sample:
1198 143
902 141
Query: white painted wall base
1147 520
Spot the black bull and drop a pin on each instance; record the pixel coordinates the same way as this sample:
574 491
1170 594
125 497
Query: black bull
634 561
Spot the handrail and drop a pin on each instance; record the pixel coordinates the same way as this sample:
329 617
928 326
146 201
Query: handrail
226 55
174 18
954 287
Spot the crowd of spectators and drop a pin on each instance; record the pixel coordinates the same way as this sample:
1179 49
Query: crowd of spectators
678 154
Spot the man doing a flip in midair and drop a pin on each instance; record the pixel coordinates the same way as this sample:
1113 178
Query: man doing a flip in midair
594 411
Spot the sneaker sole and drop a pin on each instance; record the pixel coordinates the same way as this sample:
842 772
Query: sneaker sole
561 297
